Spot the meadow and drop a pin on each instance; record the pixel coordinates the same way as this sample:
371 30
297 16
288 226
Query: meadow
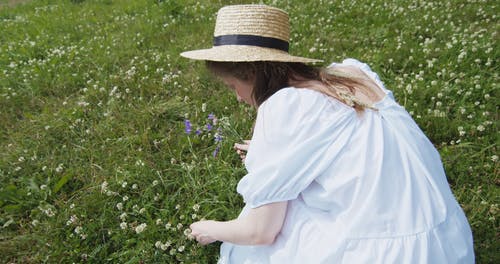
111 144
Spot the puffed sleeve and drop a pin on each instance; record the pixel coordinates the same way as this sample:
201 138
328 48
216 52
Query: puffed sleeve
297 135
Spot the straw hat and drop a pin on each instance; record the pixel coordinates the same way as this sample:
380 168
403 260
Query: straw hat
249 33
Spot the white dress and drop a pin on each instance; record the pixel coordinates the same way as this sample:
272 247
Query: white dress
361 189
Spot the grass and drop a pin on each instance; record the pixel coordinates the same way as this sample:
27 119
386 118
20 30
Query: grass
93 98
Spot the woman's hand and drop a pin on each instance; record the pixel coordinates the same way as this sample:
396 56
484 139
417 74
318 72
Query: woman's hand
201 230
242 149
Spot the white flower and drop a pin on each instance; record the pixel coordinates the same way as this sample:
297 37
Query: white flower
158 244
78 229
159 221
480 128
35 222
196 207
140 228
43 187
155 182
104 187
125 198
119 206
123 225
124 184
123 216
72 220
134 186
494 158
143 210
187 232
181 248
164 246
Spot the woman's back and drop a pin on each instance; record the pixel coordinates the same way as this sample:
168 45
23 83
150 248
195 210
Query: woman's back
358 185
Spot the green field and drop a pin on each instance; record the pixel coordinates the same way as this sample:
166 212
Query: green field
95 162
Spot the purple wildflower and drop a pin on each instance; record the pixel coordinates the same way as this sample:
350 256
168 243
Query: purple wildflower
187 125
216 151
209 127
218 137
211 116
197 132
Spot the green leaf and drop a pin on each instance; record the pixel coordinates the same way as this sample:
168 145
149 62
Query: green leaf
64 179
12 208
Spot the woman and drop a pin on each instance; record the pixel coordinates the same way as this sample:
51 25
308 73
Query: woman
338 172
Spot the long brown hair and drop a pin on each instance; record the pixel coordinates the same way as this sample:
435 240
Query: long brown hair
269 77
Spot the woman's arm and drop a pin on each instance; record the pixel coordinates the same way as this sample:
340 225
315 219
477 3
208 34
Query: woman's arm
259 227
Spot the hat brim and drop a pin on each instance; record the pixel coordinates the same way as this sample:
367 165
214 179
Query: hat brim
242 53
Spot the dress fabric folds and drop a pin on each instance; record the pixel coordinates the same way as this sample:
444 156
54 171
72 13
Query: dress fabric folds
361 188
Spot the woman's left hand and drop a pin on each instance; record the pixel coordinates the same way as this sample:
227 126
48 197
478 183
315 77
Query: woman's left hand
201 230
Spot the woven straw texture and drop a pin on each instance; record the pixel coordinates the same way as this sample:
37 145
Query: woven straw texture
257 20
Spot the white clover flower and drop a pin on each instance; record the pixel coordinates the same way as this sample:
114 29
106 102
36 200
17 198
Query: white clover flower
123 225
124 184
73 219
123 216
71 206
143 210
49 212
158 244
140 228
164 246
168 225
155 182
181 248
35 222
119 206
43 187
78 229
494 158
177 207
59 167
187 233
135 207
480 128
125 198
104 187
194 216
134 186
159 221
204 107
179 226
196 207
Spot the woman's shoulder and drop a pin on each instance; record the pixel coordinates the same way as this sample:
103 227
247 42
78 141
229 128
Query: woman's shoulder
293 97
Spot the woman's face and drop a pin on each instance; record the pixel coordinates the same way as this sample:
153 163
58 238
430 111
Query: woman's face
243 89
